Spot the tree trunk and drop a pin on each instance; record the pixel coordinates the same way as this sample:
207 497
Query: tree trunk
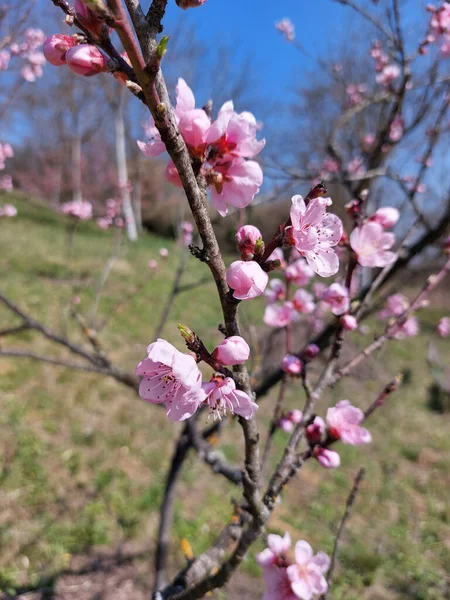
122 169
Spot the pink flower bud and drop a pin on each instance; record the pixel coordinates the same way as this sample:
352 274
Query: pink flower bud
349 323
291 365
311 351
246 238
296 416
327 458
56 47
163 252
86 60
88 19
152 264
184 4
286 425
246 279
387 216
315 431
232 351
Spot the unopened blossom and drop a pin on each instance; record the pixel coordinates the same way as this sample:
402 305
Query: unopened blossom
388 74
152 264
303 301
344 423
315 431
185 4
349 322
163 252
234 350
276 290
372 245
277 549
56 47
291 364
311 351
299 272
79 209
246 238
314 232
286 425
234 134
86 60
246 279
8 210
280 315
443 327
235 183
336 296
223 397
88 18
387 216
327 458
396 130
355 93
286 27
307 574
171 378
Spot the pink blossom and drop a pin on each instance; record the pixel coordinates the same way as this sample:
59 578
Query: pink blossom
291 364
311 351
295 415
6 152
307 574
443 328
186 233
152 264
327 458
163 252
344 423
303 301
299 272
246 279
234 134
185 4
386 216
81 209
235 183
5 56
222 395
315 431
171 378
278 254
286 27
234 350
193 123
76 300
103 223
356 166
286 425
409 328
396 130
355 93
56 46
280 315
349 322
371 244
88 18
8 210
368 141
314 232
277 549
172 174
276 290
394 307
336 296
154 146
388 74
86 60
246 239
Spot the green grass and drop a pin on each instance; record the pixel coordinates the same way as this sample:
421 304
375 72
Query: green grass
84 460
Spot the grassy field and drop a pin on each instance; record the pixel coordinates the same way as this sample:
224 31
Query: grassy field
83 459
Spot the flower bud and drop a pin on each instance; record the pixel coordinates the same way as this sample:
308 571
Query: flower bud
311 351
232 351
86 60
315 431
88 19
349 322
286 425
386 216
56 47
291 365
295 416
327 458
246 239
184 4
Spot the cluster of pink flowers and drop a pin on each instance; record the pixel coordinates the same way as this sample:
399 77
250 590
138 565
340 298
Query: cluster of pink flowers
27 49
113 216
395 306
286 579
172 378
224 148
83 59
6 152
286 27
355 93
387 72
290 420
439 28
8 210
81 209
